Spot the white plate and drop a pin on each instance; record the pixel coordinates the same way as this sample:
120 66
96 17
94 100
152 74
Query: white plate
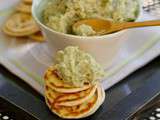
28 59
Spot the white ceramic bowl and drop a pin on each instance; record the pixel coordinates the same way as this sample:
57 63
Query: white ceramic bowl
103 48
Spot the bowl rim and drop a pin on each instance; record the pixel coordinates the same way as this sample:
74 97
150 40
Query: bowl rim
77 36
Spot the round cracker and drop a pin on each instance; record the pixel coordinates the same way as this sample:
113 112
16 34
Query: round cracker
80 111
37 36
20 24
66 90
24 8
74 99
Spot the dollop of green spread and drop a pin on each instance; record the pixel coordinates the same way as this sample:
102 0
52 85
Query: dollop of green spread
84 30
77 67
60 15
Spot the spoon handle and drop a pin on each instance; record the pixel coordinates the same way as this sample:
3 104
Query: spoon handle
141 24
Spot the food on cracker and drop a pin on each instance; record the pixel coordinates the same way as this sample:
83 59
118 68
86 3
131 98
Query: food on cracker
78 67
66 99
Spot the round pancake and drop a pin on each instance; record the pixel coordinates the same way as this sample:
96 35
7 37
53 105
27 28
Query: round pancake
55 82
71 99
24 7
78 98
78 111
20 25
37 37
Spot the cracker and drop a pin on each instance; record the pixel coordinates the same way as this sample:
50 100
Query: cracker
20 24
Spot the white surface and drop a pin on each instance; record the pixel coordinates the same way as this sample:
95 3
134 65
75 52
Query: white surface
29 60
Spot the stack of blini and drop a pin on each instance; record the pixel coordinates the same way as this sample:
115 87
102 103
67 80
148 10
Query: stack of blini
70 102
21 23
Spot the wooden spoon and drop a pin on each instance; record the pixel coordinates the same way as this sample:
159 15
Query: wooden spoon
105 27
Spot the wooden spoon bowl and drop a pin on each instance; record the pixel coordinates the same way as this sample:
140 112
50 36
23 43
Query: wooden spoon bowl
105 26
